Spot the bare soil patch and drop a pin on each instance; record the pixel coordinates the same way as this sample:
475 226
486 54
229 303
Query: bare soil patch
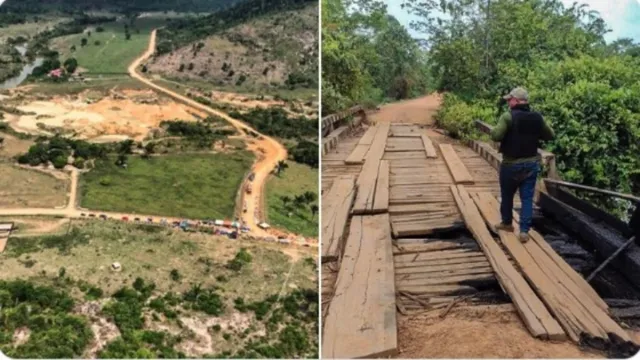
493 331
129 113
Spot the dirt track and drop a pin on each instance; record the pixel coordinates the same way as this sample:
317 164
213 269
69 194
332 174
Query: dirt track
268 150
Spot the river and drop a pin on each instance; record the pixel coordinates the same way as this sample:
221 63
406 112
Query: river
26 70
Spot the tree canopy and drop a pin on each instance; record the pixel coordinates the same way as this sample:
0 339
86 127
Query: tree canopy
586 88
367 56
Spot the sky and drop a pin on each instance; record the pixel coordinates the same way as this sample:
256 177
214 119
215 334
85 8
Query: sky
622 16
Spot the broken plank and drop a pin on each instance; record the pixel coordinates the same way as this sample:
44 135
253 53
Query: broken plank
364 295
335 213
428 147
574 316
533 312
456 167
381 200
366 187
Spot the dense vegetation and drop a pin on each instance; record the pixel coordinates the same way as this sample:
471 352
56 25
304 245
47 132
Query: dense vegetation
15 10
181 32
367 56
586 88
57 150
54 332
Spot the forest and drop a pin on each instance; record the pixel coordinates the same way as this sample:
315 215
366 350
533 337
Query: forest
368 57
587 88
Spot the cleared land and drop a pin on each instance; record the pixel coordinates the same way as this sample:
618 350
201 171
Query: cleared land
114 53
188 185
260 54
29 188
198 294
295 180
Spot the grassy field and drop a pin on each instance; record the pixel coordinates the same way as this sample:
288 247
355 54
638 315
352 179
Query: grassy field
28 29
293 181
191 186
98 84
170 263
29 188
114 53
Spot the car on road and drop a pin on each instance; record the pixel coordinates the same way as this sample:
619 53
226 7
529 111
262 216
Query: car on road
83 214
163 222
103 216
125 218
92 215
149 220
136 219
176 223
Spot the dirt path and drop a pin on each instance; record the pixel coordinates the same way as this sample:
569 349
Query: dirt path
268 150
417 111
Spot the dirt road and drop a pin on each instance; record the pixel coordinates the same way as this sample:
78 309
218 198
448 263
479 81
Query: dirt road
268 150
416 111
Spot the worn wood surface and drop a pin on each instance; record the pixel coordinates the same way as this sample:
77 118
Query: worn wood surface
335 214
532 311
457 169
361 319
429 149
381 201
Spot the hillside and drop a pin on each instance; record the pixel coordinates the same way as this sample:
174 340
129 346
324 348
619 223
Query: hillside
273 51
37 6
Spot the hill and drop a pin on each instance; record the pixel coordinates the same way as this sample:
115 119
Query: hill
274 50
21 7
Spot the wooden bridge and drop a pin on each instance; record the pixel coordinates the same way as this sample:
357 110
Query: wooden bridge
396 200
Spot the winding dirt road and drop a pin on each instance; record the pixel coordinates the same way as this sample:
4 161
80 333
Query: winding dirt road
268 151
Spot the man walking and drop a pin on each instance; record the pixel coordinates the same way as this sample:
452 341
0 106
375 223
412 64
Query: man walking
519 132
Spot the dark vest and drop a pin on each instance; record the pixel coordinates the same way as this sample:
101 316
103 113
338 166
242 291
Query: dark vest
523 136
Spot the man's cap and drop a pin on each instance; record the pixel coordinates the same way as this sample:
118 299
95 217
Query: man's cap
518 93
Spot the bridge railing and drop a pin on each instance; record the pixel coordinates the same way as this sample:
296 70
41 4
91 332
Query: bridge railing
329 122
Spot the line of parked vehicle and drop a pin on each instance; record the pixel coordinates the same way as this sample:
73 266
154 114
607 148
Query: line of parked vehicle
216 227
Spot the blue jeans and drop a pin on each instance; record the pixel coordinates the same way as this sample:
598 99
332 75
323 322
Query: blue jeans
521 177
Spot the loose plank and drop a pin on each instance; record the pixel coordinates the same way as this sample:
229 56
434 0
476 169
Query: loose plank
532 311
458 171
381 201
368 176
357 155
335 213
575 310
361 320
428 147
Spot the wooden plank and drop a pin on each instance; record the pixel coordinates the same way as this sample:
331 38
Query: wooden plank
532 311
361 319
428 147
456 167
368 176
589 316
381 201
357 155
559 262
335 213
575 312
367 138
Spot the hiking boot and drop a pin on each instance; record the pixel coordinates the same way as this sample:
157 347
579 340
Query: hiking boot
523 237
503 226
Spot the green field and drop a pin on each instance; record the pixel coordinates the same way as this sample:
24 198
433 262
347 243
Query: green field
190 186
293 181
114 54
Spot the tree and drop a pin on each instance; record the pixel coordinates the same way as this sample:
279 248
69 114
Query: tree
122 160
83 42
73 48
97 43
99 29
127 36
314 210
70 65
285 200
281 166
144 68
181 69
310 196
1 141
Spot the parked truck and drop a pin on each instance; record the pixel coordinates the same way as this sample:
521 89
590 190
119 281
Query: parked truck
248 189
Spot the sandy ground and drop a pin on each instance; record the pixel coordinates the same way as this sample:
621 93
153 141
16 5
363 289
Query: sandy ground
490 331
417 111
124 116
13 146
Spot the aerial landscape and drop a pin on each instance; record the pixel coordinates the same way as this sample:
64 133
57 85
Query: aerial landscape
159 178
